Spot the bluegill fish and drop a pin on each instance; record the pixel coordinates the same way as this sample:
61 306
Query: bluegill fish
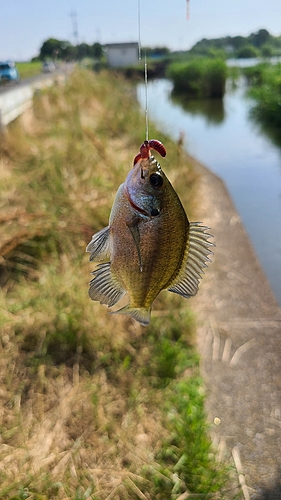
149 244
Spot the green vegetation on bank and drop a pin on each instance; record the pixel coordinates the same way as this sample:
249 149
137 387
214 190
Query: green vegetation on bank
265 89
93 405
199 78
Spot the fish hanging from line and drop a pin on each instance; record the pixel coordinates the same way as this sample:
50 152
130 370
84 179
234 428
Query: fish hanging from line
149 244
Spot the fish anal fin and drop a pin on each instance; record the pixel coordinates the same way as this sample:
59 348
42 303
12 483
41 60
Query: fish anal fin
198 248
140 314
99 246
103 287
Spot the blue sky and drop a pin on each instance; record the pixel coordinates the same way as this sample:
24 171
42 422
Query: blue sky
25 24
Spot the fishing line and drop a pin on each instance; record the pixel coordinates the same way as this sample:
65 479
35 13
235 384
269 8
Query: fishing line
139 26
146 97
145 73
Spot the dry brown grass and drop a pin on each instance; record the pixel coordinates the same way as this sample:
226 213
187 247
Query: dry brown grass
83 393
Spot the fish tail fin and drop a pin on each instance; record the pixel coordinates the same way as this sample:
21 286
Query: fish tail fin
140 314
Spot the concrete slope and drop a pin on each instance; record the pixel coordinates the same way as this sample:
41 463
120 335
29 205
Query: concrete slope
239 339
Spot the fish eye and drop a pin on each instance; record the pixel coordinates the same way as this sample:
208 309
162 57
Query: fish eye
154 212
156 180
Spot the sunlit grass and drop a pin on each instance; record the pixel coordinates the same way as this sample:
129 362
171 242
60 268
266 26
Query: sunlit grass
94 406
29 69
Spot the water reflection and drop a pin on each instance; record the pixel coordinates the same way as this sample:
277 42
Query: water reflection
211 109
271 131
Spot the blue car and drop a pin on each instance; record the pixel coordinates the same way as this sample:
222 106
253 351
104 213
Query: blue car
9 72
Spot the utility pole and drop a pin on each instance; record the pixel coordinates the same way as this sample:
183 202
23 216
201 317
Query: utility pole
75 27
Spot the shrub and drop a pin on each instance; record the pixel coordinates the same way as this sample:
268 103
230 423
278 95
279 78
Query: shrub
247 51
199 78
266 91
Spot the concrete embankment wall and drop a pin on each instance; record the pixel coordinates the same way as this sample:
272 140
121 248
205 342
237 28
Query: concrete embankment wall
239 339
15 100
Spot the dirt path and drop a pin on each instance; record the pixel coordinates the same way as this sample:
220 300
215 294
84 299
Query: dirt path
239 339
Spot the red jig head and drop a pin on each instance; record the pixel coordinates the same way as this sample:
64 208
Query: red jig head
145 150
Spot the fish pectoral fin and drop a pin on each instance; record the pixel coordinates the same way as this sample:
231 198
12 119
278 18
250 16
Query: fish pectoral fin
103 287
134 229
99 246
140 314
197 251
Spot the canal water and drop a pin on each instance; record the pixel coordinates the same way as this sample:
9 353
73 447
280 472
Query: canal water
223 135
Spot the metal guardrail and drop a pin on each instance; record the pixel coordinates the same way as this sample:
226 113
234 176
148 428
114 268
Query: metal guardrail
15 100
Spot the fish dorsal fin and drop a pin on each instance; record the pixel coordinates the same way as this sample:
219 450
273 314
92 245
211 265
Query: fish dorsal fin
99 246
103 287
197 251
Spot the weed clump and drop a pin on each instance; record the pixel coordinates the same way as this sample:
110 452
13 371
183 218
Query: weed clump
203 78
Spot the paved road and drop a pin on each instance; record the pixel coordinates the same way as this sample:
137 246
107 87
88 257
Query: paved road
63 69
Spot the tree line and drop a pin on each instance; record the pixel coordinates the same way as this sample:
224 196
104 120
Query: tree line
260 43
63 49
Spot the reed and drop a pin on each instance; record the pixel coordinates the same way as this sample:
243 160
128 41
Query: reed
199 78
265 89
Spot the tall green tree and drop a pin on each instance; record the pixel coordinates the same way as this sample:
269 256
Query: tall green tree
96 50
259 38
52 48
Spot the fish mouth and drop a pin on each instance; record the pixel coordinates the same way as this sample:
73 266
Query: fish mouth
136 207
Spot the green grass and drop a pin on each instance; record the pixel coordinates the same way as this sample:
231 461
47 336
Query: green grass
94 406
29 69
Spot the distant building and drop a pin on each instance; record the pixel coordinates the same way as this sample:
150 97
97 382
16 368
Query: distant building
122 54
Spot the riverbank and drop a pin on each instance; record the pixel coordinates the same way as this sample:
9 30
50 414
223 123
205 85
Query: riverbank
93 405
239 340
